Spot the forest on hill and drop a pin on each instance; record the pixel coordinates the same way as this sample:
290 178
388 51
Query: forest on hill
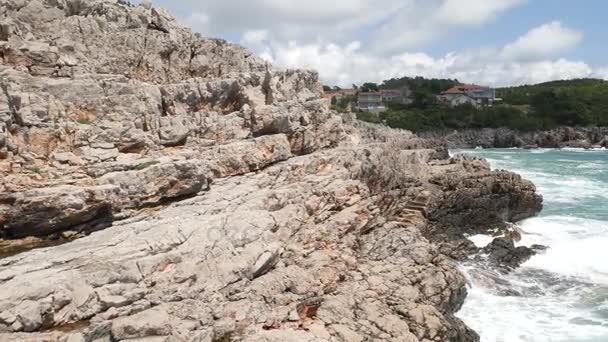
579 102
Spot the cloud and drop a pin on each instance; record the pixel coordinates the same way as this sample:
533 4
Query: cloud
418 22
199 22
307 21
544 41
258 41
352 41
472 12
390 24
351 63
601 73
344 66
255 37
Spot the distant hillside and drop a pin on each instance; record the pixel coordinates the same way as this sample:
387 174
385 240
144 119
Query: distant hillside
523 94
420 84
570 102
579 102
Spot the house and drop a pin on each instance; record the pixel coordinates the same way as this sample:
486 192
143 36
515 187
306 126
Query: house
378 101
338 94
475 95
370 102
397 96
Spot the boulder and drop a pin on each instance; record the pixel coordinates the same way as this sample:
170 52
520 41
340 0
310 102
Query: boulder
502 251
473 203
147 324
157 183
68 158
41 212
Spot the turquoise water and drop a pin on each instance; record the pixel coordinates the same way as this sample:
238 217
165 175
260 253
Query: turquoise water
562 294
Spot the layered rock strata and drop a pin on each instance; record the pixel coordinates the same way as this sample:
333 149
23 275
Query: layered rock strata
187 191
575 137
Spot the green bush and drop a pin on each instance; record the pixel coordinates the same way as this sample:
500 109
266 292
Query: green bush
84 121
145 165
368 117
462 117
35 169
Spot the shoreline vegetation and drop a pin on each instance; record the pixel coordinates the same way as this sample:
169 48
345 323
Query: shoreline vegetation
540 107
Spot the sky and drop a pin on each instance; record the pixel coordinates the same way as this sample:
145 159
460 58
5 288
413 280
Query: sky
490 42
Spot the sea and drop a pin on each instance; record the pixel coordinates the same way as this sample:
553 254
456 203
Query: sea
561 294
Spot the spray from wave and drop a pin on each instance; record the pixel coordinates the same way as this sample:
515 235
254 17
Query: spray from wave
561 294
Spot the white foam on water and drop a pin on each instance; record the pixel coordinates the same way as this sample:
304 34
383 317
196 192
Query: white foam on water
530 319
481 240
598 167
578 247
577 250
572 189
541 150
578 149
565 288
564 189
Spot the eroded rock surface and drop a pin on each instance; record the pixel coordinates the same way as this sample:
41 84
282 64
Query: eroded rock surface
205 196
574 137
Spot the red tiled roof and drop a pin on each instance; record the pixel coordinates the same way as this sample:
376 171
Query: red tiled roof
470 86
461 88
453 90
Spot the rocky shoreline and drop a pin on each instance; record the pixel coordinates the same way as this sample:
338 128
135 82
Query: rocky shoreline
575 137
160 186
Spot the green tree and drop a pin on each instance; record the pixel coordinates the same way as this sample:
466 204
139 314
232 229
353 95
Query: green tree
368 86
582 102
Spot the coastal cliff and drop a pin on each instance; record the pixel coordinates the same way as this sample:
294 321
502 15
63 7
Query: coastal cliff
575 137
160 186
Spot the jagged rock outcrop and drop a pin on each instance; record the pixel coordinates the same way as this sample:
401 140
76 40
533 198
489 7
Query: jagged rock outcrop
502 251
95 91
187 191
576 137
481 199
257 257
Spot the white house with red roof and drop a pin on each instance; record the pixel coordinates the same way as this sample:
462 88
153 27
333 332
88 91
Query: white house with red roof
475 95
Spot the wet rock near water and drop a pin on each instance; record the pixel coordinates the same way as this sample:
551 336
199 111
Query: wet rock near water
502 252
480 200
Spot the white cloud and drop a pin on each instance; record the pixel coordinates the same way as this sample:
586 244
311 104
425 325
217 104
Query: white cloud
352 41
472 12
602 73
418 22
199 22
544 41
259 41
255 37
391 24
311 20
344 65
